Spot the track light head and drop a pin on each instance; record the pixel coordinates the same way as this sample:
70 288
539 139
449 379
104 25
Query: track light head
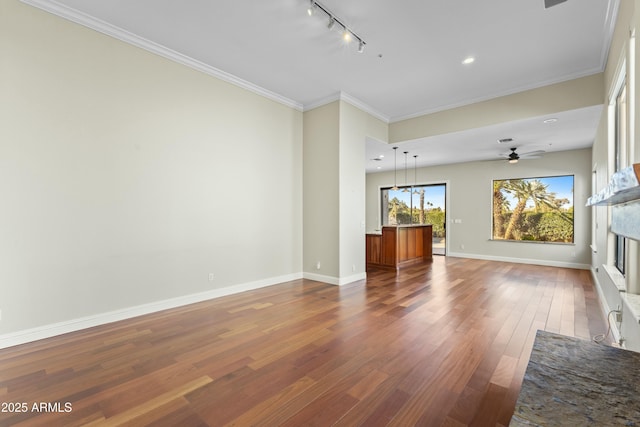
311 10
346 35
332 23
361 47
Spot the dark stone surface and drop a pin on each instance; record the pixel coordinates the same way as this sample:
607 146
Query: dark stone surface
572 382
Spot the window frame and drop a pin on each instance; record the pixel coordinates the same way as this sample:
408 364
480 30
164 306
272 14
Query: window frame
533 240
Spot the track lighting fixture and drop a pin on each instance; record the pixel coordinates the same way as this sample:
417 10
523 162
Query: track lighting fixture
347 33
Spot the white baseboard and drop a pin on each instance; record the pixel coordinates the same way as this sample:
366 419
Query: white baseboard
338 281
48 331
321 278
522 260
352 278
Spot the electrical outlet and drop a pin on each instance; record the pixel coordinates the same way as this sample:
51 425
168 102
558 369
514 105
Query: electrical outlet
318 265
211 276
618 316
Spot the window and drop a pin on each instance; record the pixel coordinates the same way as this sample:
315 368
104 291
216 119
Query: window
424 204
533 209
620 162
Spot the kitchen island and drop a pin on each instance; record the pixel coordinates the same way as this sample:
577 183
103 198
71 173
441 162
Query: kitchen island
397 246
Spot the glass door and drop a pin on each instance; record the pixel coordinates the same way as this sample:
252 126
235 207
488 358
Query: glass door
418 204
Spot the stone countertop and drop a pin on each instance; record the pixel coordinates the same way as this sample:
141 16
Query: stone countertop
572 382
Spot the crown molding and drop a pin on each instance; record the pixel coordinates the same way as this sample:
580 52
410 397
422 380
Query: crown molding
88 21
343 96
321 102
364 107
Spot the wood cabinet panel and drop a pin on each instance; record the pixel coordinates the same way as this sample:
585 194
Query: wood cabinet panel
403 238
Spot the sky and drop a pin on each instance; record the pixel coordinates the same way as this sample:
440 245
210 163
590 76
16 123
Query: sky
433 193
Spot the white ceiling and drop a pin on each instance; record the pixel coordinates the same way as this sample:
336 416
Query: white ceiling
412 63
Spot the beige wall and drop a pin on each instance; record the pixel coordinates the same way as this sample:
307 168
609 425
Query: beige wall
355 127
321 191
569 95
126 178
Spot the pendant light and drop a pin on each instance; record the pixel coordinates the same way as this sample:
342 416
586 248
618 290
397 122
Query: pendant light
415 173
395 169
405 189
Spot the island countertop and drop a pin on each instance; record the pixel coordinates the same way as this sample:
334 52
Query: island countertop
573 382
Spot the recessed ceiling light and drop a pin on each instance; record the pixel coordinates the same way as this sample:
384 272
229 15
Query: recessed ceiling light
552 120
381 156
468 60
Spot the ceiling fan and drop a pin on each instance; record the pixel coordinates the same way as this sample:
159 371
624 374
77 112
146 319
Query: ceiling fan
513 157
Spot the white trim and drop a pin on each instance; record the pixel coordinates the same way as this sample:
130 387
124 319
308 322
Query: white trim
352 278
610 25
616 277
322 278
336 281
88 21
48 331
343 96
364 107
544 262
321 102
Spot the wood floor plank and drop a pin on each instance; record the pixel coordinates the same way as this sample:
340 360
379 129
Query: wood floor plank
444 343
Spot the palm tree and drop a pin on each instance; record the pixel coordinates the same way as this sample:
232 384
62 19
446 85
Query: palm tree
499 204
524 190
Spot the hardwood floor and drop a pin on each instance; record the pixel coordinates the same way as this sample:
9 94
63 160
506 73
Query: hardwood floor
445 344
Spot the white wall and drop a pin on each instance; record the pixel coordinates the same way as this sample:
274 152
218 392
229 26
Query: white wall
126 178
470 191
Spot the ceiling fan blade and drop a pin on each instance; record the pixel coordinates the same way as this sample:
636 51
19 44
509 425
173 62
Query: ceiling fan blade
533 153
551 3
